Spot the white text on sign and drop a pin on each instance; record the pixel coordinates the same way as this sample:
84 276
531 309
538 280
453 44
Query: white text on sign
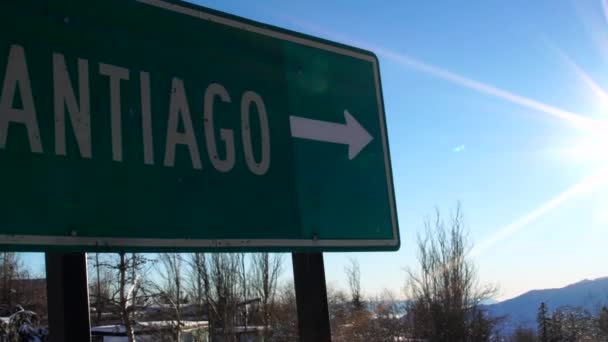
76 106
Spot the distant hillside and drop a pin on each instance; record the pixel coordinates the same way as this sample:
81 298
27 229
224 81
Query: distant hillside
398 307
521 310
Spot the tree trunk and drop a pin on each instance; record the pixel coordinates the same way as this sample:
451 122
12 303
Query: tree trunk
178 286
98 304
124 309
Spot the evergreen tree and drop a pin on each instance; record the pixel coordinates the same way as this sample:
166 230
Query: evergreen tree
543 321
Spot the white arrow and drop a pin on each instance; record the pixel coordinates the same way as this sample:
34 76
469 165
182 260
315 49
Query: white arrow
351 133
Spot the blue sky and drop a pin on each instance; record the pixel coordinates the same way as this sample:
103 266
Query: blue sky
496 104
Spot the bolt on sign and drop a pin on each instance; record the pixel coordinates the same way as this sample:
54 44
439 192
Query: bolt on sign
150 124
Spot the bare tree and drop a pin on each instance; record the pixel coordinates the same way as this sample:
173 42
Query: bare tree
353 275
285 320
19 288
172 290
129 287
125 300
445 292
221 291
100 282
227 284
214 284
571 323
197 281
266 271
11 270
244 286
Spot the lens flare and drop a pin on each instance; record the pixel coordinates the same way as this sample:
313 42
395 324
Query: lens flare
459 149
587 185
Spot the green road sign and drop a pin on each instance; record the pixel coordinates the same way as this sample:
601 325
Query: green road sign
146 124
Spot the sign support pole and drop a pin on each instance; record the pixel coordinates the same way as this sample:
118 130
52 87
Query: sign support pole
68 297
311 297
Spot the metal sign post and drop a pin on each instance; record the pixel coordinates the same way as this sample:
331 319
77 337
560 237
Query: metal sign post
68 297
311 297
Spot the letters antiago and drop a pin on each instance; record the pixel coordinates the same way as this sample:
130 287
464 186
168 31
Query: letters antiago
72 101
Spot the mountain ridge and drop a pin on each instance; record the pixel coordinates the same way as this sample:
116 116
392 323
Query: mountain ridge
590 294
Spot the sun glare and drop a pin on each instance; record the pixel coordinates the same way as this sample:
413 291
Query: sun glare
592 149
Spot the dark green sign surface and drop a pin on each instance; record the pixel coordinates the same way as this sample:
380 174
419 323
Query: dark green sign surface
145 124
